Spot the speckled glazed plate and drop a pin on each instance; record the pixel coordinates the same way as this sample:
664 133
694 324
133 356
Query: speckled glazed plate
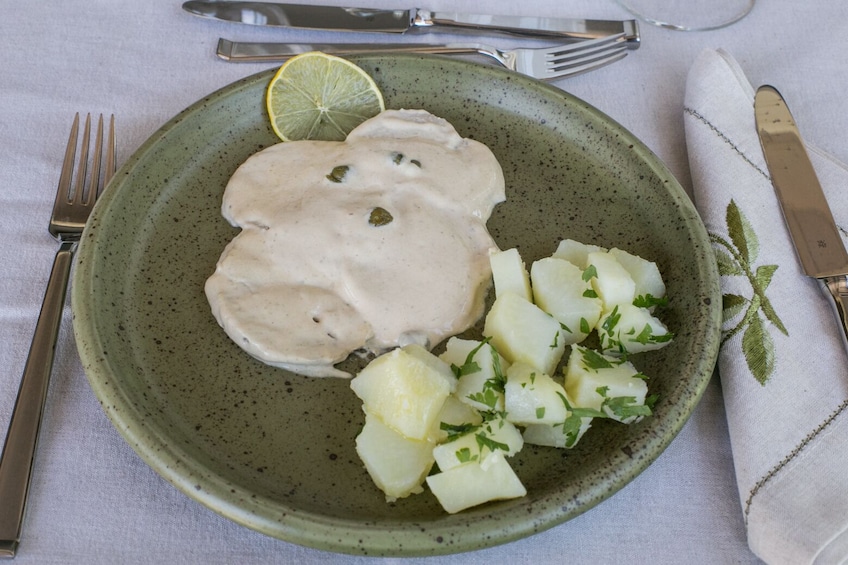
275 451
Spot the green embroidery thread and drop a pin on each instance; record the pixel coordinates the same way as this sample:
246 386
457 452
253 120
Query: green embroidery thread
736 258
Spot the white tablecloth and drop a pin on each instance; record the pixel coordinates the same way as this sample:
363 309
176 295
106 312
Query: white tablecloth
94 501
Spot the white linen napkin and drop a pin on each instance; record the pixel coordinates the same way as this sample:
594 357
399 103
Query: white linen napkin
782 363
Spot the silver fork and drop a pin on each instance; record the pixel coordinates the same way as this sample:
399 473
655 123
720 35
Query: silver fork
70 212
546 63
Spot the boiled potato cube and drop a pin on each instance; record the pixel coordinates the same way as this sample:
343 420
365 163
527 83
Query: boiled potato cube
559 290
454 413
630 329
480 372
565 434
645 274
533 397
510 274
406 389
496 435
521 331
396 464
476 482
612 282
576 252
606 384
561 434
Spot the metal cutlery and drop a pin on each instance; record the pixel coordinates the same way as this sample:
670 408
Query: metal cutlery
546 63
339 18
812 228
71 209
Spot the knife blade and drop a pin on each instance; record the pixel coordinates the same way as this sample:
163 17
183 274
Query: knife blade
338 18
813 230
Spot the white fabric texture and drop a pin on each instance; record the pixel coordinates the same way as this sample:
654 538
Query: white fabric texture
783 365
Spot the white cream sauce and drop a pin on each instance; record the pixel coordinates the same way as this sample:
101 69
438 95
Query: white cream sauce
311 279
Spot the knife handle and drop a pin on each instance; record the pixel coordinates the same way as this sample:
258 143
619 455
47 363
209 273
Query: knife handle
240 52
837 288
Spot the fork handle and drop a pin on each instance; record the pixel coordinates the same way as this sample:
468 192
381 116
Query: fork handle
19 449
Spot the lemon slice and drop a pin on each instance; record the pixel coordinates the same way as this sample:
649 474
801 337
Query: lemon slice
320 96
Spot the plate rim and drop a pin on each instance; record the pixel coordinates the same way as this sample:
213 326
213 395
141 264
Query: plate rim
309 528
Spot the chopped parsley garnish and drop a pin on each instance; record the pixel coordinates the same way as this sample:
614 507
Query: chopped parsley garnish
590 273
482 435
464 455
498 416
594 360
581 412
587 413
499 380
584 326
649 301
456 430
485 441
647 336
611 321
571 428
470 366
574 422
494 386
490 395
590 293
487 396
626 407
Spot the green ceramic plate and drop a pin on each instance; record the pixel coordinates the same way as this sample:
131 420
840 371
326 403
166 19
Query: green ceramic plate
275 451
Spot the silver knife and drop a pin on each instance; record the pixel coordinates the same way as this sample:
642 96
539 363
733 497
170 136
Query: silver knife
805 209
338 18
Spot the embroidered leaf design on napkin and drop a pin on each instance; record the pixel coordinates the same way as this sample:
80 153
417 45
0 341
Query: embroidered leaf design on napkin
741 234
732 304
736 258
764 276
758 347
726 265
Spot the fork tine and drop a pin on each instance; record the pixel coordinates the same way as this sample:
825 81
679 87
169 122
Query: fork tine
573 68
63 192
571 62
79 185
587 49
94 178
590 58
109 169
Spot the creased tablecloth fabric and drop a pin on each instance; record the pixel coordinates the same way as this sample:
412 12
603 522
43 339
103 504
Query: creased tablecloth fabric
783 366
94 500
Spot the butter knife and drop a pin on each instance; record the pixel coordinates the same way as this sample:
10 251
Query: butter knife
338 18
809 219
